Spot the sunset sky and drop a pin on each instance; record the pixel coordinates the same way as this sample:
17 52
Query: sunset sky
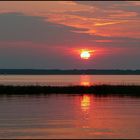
50 35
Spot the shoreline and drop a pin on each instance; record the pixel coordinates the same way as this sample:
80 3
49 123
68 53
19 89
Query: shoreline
133 90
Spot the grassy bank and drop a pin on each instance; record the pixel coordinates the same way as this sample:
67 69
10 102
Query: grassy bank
97 89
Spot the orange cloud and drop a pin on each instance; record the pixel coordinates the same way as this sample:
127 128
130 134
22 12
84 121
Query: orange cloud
112 22
41 7
102 27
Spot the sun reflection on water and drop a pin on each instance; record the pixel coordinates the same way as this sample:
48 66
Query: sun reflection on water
85 80
85 107
85 102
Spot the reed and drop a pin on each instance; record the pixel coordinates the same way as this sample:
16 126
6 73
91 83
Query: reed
133 90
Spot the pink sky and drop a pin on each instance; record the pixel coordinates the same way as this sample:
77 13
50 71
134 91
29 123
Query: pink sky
49 33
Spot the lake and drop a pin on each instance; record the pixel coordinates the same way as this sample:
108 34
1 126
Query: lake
75 116
69 116
61 80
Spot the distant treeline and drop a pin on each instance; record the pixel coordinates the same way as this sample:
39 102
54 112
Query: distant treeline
66 72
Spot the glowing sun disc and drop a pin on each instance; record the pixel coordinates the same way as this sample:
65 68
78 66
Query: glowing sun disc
85 55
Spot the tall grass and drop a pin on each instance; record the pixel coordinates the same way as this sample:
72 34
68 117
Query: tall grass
133 90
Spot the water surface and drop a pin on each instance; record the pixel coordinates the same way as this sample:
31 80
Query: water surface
69 116
61 80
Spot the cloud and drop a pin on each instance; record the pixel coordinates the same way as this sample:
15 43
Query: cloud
19 27
108 27
86 15
36 33
41 7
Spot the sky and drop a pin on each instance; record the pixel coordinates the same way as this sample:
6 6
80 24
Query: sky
51 34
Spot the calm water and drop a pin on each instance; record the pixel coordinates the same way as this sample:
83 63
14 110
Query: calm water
60 80
69 116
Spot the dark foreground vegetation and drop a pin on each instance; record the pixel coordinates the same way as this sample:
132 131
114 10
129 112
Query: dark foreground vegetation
132 90
68 72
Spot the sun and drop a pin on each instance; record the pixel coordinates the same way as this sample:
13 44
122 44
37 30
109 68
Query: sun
85 54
